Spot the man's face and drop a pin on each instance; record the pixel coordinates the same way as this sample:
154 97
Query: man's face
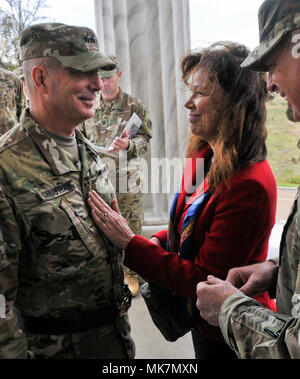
111 86
284 75
72 94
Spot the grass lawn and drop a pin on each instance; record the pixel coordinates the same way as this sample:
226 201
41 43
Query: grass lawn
283 136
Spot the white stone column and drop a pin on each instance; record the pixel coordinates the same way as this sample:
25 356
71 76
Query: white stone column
122 42
150 37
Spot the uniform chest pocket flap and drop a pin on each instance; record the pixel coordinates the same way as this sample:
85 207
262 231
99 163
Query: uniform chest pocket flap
82 229
81 239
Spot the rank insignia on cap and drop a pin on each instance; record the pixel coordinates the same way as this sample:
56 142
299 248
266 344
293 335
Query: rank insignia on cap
90 39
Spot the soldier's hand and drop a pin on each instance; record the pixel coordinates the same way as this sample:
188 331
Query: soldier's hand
210 297
120 143
253 280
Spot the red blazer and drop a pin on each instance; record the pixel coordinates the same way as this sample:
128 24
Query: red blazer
232 230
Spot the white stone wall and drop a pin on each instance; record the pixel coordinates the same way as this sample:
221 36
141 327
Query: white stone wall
149 37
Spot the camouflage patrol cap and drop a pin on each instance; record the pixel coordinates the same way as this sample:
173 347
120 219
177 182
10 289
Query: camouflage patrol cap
276 18
73 46
108 73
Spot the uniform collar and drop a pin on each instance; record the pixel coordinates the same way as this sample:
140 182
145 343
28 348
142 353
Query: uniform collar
114 104
58 159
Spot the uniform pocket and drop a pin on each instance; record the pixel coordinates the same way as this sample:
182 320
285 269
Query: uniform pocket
60 239
82 230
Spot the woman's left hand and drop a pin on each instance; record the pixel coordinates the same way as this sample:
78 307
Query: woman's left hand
109 220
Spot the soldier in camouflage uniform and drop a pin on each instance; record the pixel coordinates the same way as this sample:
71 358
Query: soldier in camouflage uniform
114 108
12 100
62 279
251 330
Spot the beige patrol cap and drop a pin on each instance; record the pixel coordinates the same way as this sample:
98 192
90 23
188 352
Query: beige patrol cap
108 73
73 46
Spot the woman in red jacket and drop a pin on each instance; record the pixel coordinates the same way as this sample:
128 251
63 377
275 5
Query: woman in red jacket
225 220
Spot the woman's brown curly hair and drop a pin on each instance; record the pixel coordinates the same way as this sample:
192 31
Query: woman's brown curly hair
241 130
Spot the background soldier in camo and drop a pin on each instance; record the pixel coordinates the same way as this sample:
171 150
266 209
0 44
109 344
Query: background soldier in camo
58 273
251 330
114 108
12 100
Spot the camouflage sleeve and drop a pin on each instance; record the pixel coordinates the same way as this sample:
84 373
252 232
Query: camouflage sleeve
139 144
253 331
12 340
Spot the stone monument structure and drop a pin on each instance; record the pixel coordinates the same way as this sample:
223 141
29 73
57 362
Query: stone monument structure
150 37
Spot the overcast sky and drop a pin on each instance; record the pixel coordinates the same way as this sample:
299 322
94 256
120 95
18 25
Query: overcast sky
211 20
214 20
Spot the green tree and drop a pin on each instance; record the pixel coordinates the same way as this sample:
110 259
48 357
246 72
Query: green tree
15 15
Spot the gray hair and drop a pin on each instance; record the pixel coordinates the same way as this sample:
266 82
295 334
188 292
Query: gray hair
49 63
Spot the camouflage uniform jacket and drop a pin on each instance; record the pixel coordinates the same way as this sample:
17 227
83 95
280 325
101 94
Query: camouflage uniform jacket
54 262
256 332
12 100
109 122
